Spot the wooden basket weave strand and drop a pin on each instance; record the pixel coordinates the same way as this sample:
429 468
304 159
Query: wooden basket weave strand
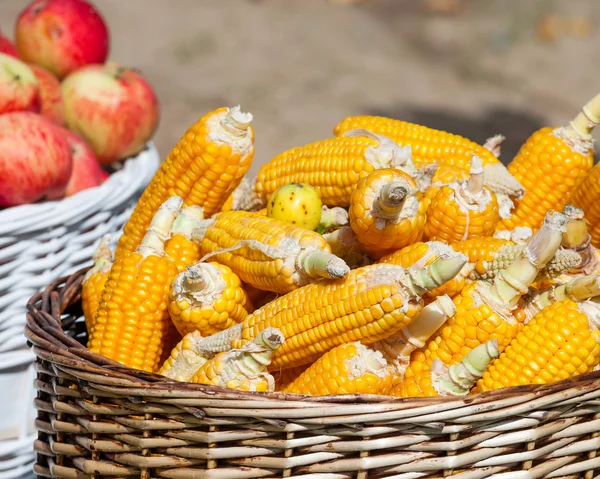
97 418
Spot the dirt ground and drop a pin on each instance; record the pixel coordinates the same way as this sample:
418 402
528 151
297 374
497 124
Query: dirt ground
300 66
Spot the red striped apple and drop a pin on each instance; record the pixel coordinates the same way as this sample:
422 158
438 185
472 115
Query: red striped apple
87 172
112 108
53 106
19 88
61 35
35 159
7 47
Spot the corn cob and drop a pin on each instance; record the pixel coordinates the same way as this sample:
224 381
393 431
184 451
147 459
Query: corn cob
94 280
350 368
244 369
421 254
577 290
387 212
428 145
587 197
284 377
179 247
267 253
455 380
343 244
186 358
519 235
560 342
132 325
257 297
463 210
333 167
244 197
484 310
371 303
204 168
207 297
550 165
398 347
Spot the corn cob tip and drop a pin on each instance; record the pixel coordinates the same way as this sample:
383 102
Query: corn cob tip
236 122
586 120
505 205
547 240
498 179
424 176
321 264
387 154
572 212
153 242
102 251
493 144
366 360
187 220
437 273
271 338
475 182
458 379
332 218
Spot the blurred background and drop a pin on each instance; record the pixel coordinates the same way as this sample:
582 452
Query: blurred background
475 68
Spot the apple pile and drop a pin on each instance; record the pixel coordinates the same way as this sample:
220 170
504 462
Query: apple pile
67 116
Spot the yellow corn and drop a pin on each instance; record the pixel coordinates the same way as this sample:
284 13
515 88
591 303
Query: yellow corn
550 165
186 358
463 210
350 368
371 303
578 240
284 377
387 212
94 280
132 325
422 254
428 145
204 168
333 166
484 310
455 380
587 197
257 297
207 297
267 253
578 289
179 247
244 369
560 342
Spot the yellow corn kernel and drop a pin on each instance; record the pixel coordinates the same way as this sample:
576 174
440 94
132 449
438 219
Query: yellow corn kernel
587 197
207 297
94 280
186 358
333 166
371 303
350 368
205 166
558 343
551 165
179 247
455 380
284 377
387 212
244 369
266 253
463 210
484 311
132 325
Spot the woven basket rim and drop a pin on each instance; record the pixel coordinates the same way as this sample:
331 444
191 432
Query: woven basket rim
100 193
50 342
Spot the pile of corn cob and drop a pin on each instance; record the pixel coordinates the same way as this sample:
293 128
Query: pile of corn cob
390 259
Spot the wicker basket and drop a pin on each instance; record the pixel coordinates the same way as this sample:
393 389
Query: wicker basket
98 418
38 244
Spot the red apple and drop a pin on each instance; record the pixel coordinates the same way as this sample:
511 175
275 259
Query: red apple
6 46
53 106
35 159
19 88
112 108
61 35
87 173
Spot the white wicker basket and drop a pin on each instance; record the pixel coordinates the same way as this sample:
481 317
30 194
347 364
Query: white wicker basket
38 244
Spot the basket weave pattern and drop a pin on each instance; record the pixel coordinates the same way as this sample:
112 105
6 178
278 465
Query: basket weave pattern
38 244
98 418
